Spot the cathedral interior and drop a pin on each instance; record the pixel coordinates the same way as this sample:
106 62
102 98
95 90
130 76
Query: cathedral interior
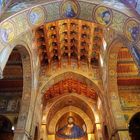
69 69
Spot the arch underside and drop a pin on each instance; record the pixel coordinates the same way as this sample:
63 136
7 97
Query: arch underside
58 77
60 113
122 80
73 99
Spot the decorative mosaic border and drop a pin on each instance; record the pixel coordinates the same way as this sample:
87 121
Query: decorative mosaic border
56 10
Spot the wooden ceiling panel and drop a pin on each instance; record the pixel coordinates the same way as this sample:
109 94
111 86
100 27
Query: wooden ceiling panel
14 71
70 86
129 82
15 56
13 75
127 69
124 54
10 83
69 40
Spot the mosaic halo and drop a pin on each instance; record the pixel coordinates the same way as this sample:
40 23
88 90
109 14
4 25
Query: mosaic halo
102 15
132 30
7 32
36 16
69 9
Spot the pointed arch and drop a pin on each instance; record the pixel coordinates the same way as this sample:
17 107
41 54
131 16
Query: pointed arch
80 77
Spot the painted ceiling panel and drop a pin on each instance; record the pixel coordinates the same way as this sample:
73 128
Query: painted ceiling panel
127 69
70 86
69 42
13 74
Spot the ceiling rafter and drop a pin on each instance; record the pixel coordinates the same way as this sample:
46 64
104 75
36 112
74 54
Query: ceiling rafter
127 69
69 43
13 74
70 86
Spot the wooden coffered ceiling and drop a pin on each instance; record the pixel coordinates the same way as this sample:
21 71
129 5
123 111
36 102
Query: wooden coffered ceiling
69 42
13 75
127 69
70 86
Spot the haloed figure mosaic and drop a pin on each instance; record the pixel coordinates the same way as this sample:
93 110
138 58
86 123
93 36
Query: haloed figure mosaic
71 130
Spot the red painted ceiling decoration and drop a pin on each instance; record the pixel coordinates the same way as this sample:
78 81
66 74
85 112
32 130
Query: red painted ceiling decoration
127 69
69 86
